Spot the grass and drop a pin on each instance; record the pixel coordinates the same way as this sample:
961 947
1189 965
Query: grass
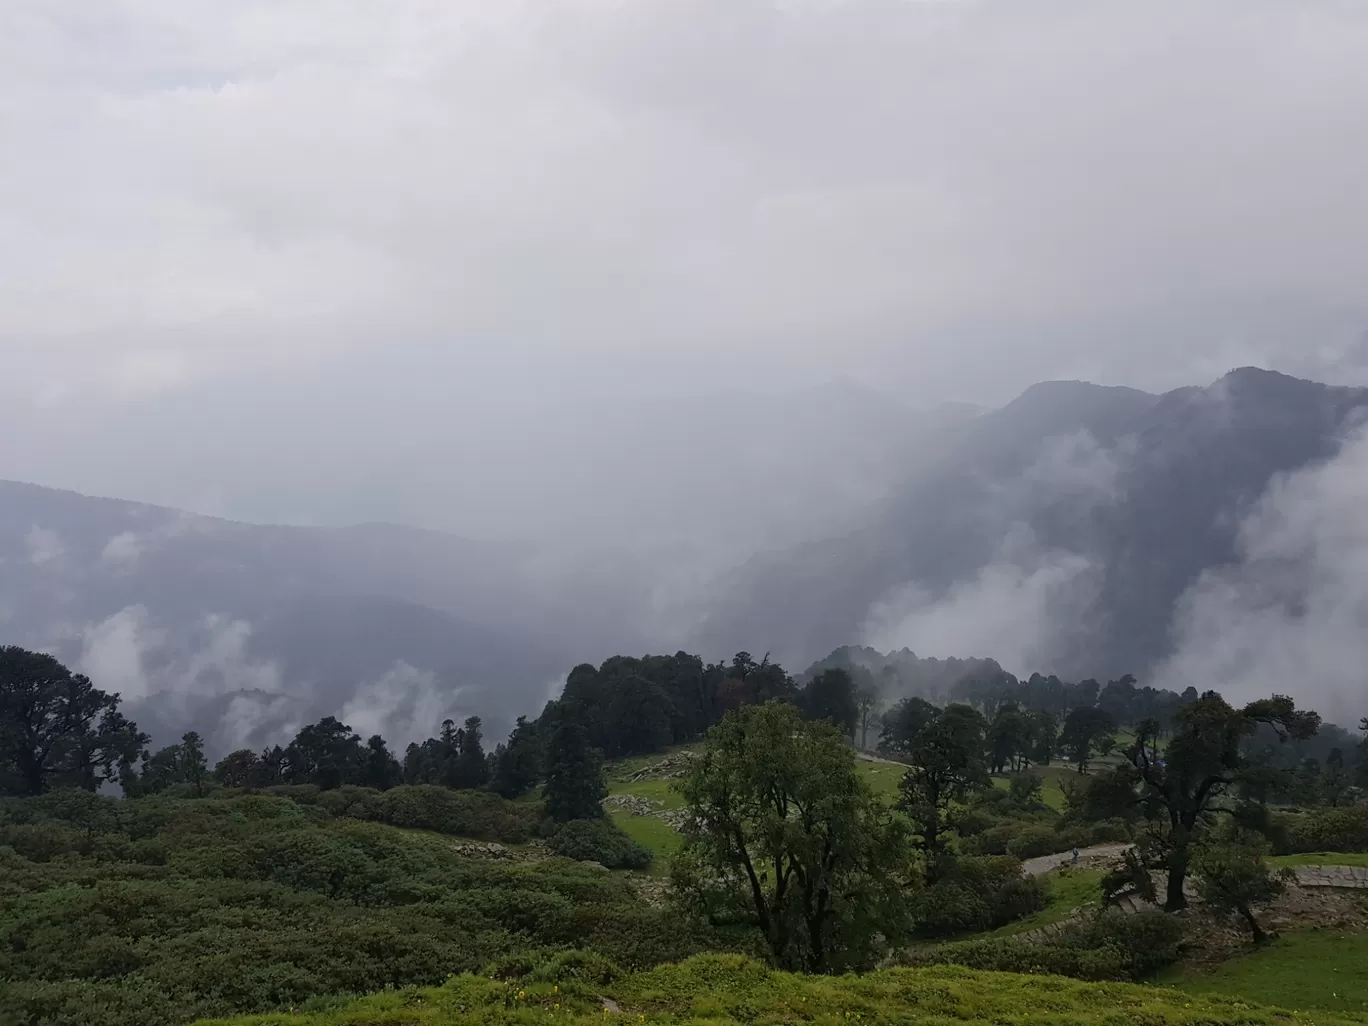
1068 889
1325 970
655 834
1050 792
1322 858
882 778
723 990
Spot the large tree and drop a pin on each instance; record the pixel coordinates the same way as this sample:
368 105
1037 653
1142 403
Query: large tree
57 729
327 753
1084 730
518 764
1183 789
946 765
1235 879
175 764
902 724
783 834
830 696
574 787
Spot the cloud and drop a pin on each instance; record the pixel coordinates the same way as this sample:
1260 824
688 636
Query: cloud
129 653
43 545
203 189
1075 468
1291 616
122 550
405 705
1019 609
113 652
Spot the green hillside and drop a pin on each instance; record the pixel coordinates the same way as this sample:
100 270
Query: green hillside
1309 969
726 989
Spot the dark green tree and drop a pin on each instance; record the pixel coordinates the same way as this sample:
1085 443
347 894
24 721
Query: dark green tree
831 696
763 681
1008 738
867 707
1044 736
1084 728
784 836
574 787
946 765
241 768
902 724
472 768
381 770
1182 791
1233 878
327 753
59 730
517 765
639 717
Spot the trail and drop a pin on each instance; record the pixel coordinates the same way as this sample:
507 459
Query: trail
1045 863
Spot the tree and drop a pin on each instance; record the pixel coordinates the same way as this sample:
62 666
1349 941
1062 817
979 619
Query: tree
763 681
472 768
1335 780
193 768
381 770
1204 759
1083 729
517 765
1044 735
574 786
1234 879
902 724
947 764
327 753
831 696
1008 738
241 768
783 835
867 709
639 717
57 729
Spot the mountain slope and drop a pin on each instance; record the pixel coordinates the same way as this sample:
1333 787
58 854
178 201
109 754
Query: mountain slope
258 629
1057 533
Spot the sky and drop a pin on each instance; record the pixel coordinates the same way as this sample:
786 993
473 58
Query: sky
328 228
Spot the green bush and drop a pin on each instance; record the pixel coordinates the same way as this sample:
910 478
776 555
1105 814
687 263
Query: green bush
1115 946
1037 841
598 840
1344 829
977 894
185 909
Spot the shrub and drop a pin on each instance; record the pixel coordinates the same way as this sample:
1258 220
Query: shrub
977 894
477 814
1343 829
599 840
1036 841
1115 946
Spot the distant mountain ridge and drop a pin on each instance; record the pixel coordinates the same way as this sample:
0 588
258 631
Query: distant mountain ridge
1055 534
1122 497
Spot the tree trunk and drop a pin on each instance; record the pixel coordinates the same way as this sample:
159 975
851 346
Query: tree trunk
1174 898
1254 928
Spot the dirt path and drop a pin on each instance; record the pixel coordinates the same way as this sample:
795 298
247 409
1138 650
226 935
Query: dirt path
1044 864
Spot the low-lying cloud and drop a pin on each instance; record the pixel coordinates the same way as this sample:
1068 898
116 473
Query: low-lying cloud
1018 609
1292 616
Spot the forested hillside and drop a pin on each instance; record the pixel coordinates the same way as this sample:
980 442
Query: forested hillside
1064 527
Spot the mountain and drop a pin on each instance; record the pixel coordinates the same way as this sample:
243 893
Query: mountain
267 625
1058 533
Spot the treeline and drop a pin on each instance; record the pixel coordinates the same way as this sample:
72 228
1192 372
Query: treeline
57 729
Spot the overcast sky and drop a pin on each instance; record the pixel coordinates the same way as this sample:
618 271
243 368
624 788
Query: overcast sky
360 205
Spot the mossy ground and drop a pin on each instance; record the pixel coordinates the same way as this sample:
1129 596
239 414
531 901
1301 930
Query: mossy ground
726 989
1325 970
